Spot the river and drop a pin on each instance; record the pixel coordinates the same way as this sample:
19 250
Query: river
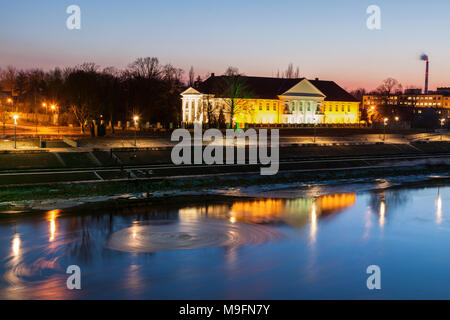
279 245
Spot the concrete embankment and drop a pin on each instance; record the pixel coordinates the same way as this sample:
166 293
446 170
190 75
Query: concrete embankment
46 175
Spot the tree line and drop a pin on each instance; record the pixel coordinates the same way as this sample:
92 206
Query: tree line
146 88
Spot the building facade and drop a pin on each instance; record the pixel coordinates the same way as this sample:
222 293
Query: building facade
269 101
409 106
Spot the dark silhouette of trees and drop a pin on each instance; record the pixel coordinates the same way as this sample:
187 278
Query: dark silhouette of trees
145 88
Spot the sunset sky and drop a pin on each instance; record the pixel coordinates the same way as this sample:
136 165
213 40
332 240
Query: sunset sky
325 38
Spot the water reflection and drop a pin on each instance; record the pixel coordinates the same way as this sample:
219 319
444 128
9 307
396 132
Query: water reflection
439 208
16 246
294 212
130 252
313 227
382 213
51 217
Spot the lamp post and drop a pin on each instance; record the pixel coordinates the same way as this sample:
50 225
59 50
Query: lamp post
315 132
11 102
54 109
136 119
385 124
15 117
442 126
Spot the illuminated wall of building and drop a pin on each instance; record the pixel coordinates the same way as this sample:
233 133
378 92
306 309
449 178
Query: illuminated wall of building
257 111
341 112
299 103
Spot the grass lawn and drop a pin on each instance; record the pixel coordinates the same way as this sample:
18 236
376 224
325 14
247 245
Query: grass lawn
28 160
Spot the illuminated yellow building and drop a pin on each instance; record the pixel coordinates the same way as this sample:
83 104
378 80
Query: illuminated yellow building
270 101
341 112
296 212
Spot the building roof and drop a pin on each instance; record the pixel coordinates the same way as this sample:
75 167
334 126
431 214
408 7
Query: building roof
333 91
271 88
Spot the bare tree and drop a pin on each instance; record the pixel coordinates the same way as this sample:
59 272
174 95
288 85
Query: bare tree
235 93
145 68
191 77
389 86
9 77
81 113
289 74
358 93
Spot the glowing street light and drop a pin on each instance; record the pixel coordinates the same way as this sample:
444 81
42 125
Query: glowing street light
385 124
15 117
442 125
315 132
397 119
136 119
54 109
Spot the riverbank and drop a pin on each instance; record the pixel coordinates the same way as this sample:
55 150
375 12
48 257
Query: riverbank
16 200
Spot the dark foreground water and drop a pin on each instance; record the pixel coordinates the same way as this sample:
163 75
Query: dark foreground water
269 248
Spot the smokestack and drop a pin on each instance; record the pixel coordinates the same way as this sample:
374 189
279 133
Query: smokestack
424 57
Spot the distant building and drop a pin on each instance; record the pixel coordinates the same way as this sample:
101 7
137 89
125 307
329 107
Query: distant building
270 101
409 106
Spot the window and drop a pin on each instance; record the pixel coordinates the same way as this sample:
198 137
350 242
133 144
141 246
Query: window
348 109
274 107
308 106
260 106
268 106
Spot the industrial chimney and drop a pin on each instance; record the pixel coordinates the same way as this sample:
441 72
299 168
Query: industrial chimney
424 57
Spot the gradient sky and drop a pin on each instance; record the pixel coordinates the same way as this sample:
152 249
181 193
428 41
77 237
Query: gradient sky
325 38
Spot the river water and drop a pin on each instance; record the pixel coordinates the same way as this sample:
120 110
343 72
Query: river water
281 245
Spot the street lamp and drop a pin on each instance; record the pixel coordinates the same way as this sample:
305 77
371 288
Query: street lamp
54 109
136 119
315 132
385 124
11 102
15 117
442 126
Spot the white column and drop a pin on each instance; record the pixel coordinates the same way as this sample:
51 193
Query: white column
190 110
201 110
184 109
196 109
